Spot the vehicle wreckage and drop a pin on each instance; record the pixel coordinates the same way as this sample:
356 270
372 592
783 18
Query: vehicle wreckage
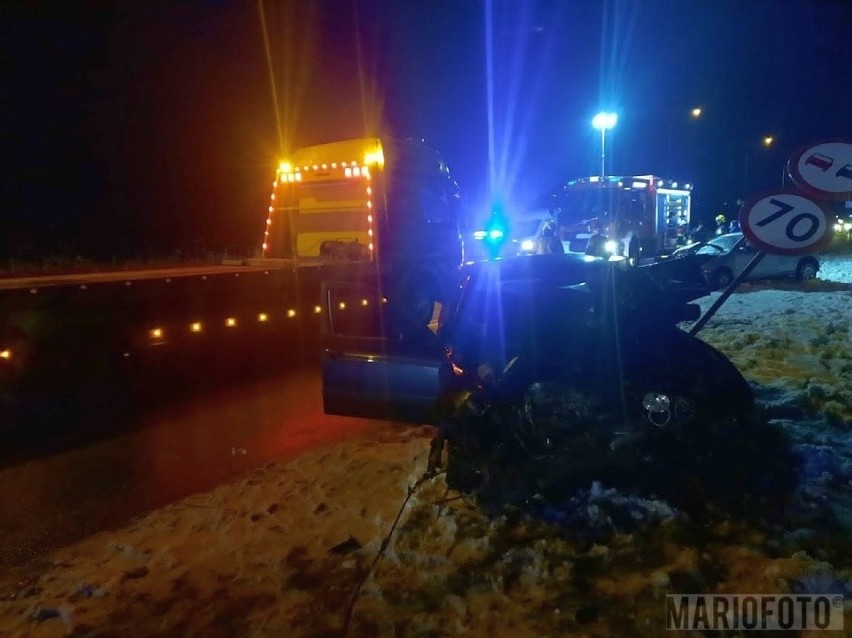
545 371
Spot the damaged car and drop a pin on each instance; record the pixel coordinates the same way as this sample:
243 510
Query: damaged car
541 367
724 257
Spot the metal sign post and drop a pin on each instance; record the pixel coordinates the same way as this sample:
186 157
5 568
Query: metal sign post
729 290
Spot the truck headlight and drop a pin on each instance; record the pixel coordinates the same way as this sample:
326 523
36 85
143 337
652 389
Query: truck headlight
611 247
528 245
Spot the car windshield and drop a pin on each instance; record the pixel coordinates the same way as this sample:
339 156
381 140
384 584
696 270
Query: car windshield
718 245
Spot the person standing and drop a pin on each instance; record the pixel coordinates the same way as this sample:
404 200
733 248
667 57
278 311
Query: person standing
700 234
721 224
597 241
548 243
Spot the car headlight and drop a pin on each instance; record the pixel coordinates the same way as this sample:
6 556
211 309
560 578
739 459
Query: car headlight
528 245
656 402
657 406
611 247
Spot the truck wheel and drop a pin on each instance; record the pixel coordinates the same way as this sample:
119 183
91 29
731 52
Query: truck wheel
721 278
807 269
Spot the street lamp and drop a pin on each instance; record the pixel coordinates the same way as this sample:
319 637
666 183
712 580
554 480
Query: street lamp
696 112
604 122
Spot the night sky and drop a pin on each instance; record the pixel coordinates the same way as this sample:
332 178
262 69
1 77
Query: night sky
151 128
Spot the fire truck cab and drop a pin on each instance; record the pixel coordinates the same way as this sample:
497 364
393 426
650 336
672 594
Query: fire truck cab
653 209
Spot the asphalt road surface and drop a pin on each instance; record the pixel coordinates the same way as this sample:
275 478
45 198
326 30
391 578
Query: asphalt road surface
54 497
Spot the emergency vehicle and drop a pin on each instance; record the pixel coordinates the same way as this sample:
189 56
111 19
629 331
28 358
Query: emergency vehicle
383 203
343 211
656 210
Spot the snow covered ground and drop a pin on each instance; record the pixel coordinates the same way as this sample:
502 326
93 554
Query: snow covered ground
290 550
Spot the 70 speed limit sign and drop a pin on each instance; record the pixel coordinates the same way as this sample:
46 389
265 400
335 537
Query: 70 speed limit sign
783 222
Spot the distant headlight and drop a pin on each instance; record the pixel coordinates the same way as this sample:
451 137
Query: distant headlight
611 247
847 226
838 227
528 245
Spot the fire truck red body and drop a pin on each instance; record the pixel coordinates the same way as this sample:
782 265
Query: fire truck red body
656 210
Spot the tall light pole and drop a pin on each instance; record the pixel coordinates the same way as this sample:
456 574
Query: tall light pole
604 122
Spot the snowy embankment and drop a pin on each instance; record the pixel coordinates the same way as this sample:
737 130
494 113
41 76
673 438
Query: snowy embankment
283 551
795 347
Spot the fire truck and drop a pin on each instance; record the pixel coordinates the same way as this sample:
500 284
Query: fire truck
655 210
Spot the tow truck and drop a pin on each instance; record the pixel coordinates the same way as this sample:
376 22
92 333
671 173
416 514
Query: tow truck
655 209
389 204
349 209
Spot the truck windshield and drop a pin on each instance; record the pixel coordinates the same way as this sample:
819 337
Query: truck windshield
577 206
314 213
327 195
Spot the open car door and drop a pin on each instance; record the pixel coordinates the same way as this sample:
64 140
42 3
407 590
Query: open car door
367 370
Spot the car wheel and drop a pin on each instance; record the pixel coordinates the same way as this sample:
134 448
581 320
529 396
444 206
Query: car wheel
807 269
721 278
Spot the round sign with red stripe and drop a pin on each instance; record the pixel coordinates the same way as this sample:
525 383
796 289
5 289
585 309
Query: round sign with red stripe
824 170
784 222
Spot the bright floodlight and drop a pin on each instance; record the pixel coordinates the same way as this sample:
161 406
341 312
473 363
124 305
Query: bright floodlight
604 121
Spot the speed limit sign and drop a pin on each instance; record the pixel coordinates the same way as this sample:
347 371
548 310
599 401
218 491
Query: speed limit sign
783 222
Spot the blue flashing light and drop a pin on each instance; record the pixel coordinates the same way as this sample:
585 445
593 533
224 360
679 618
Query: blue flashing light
497 233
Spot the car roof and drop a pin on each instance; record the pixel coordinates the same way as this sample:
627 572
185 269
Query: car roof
737 235
537 271
539 266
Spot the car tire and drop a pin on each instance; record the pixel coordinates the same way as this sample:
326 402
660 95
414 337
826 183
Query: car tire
721 278
807 269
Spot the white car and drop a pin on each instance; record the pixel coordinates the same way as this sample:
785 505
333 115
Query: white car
726 256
